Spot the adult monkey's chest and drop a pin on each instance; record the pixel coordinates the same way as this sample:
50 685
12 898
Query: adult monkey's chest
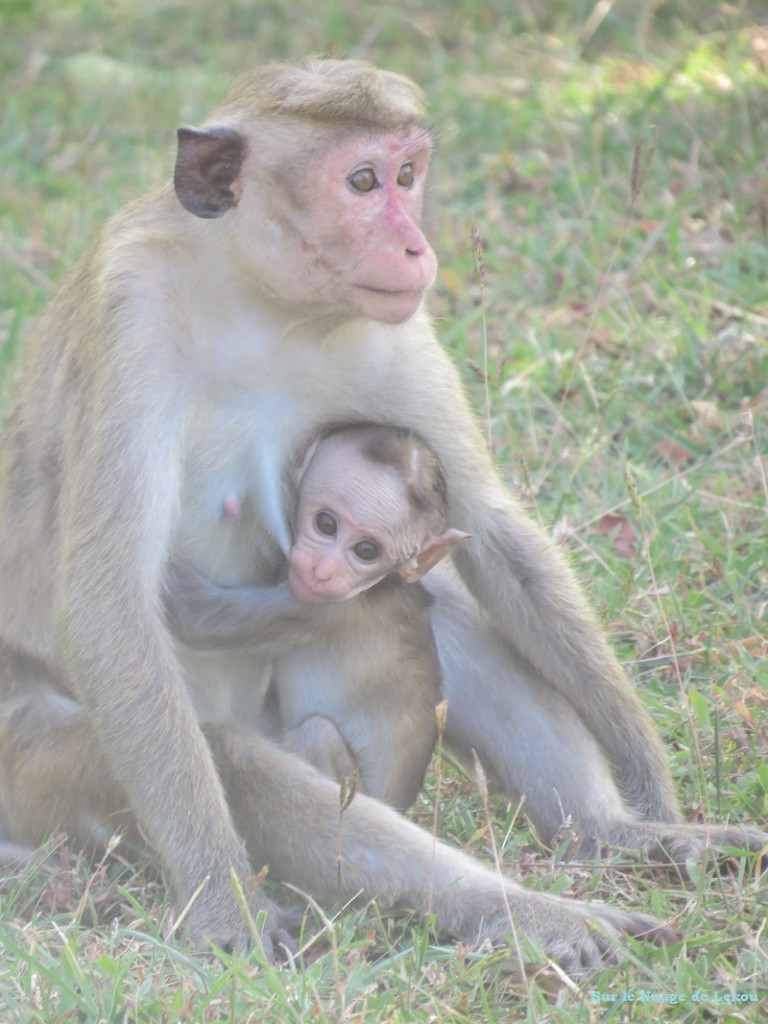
232 517
245 435
236 489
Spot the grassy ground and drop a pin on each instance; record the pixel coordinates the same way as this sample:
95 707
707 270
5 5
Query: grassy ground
600 208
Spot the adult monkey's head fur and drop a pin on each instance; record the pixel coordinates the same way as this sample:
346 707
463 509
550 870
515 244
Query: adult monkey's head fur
350 93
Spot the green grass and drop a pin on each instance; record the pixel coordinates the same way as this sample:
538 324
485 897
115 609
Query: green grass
612 328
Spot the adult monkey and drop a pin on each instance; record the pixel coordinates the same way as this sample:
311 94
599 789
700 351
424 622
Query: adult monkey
284 290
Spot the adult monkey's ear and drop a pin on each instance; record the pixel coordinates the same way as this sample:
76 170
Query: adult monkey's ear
208 163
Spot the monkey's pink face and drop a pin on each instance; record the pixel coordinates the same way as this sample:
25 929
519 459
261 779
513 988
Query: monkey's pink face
353 526
366 252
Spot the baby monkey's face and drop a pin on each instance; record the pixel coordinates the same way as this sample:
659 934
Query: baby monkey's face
354 525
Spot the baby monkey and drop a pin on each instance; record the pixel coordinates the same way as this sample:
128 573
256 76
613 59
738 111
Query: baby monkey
355 682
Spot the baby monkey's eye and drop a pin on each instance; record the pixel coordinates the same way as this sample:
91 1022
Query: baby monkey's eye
326 524
367 550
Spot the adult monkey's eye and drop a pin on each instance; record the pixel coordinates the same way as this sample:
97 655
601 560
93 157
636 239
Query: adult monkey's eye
367 550
407 176
364 180
326 524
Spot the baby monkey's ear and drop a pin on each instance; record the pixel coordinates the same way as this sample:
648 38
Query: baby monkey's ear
299 472
429 554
